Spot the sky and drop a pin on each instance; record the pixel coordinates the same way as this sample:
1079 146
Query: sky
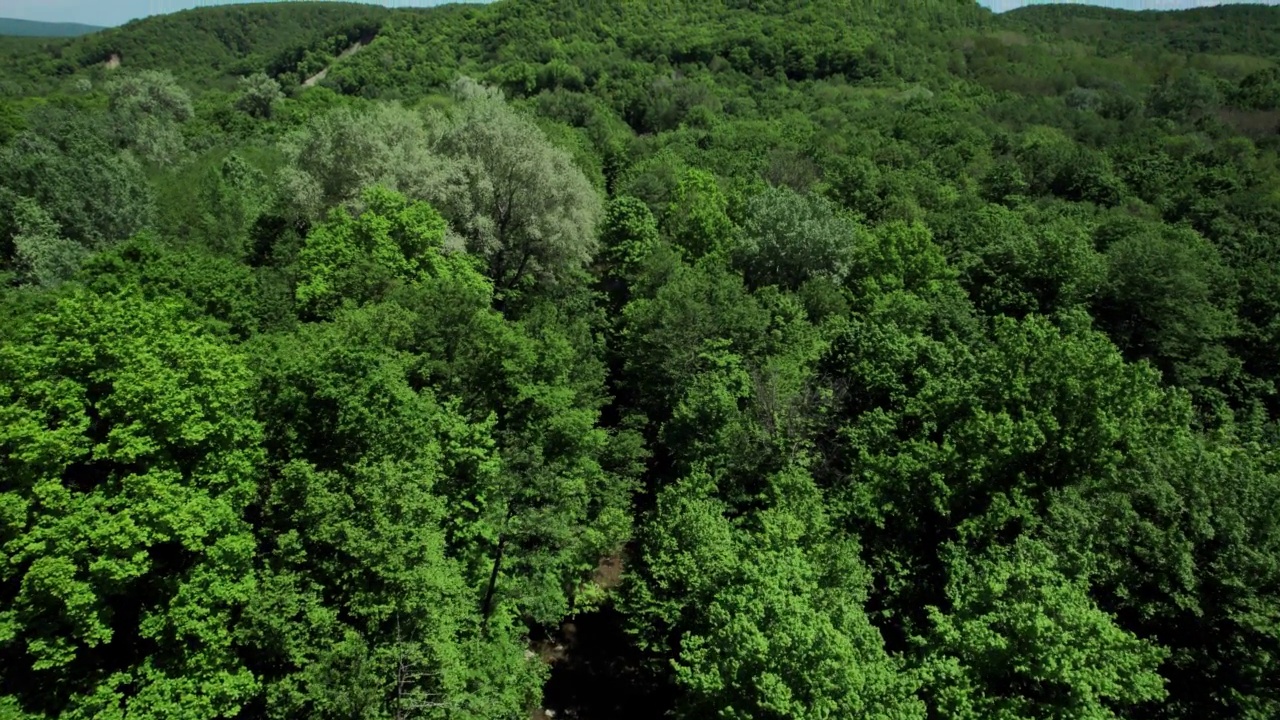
117 12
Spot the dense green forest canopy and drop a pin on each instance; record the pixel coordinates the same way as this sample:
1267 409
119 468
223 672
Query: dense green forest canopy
744 359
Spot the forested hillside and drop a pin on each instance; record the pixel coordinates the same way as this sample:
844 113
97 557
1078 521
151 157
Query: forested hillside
28 28
745 359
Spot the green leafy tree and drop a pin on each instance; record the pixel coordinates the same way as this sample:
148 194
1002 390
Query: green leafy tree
903 258
358 259
767 614
1021 640
232 199
666 336
361 611
41 256
630 234
697 218
950 439
857 184
1004 183
1169 298
629 240
561 501
96 195
346 151
783 633
519 201
259 94
217 292
1180 545
1185 95
789 238
146 109
1019 262
131 456
12 122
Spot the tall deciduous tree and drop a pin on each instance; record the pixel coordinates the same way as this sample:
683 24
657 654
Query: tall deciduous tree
361 611
1023 641
259 94
346 151
766 612
1169 298
130 455
359 259
146 109
697 218
94 193
520 202
789 238
41 255
1021 262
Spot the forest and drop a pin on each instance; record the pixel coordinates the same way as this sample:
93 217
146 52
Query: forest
738 359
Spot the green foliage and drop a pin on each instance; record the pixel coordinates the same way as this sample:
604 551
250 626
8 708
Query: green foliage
203 48
697 217
41 256
218 292
1168 298
519 201
359 611
756 359
131 455
1023 641
259 94
96 195
1023 262
789 238
359 259
1184 95
1169 542
233 200
145 110
779 633
344 152
629 234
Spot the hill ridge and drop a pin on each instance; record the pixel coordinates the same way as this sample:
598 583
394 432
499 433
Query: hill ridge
15 27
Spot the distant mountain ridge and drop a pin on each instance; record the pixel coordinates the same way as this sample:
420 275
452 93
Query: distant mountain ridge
33 28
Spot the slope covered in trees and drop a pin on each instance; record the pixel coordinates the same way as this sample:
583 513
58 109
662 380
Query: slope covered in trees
204 46
741 359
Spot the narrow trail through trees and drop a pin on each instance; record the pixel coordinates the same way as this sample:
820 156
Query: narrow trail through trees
596 673
314 79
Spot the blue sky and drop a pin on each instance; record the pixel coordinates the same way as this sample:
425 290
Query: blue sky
116 12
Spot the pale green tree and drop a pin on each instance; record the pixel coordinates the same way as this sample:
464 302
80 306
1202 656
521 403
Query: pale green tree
519 201
96 194
41 255
344 152
147 108
259 94
789 238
